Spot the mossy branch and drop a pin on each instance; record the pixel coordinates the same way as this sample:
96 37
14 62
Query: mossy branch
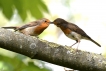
50 52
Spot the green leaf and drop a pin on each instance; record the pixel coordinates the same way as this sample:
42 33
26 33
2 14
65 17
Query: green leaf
7 7
8 66
16 64
34 9
37 68
21 6
43 6
12 63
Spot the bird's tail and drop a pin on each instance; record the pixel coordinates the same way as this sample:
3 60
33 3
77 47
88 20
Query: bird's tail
95 42
15 28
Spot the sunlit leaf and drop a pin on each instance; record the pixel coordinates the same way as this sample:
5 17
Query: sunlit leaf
34 9
16 64
33 67
43 6
8 66
7 8
21 6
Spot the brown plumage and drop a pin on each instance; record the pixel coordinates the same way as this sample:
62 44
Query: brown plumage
34 28
72 31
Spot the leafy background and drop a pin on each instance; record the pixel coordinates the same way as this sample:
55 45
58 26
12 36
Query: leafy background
35 7
10 61
90 15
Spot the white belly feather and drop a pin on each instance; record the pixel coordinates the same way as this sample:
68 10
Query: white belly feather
29 31
74 36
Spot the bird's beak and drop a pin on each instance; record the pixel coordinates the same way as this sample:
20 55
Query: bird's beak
50 22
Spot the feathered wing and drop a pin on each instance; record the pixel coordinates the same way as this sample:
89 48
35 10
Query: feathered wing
78 30
34 23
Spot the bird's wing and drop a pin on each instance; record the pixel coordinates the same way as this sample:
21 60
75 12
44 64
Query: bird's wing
76 29
34 23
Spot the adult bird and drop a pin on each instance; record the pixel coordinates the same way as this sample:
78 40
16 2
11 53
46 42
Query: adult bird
72 31
33 28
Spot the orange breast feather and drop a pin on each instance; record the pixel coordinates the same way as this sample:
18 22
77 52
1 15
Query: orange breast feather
39 29
66 30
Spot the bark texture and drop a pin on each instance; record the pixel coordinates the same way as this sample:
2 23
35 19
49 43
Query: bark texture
51 52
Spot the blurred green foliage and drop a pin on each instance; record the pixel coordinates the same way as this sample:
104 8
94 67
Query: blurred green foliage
23 7
19 62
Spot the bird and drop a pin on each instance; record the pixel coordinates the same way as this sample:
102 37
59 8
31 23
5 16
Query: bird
72 31
33 28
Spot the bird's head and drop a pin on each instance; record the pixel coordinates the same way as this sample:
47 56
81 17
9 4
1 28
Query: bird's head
59 22
44 22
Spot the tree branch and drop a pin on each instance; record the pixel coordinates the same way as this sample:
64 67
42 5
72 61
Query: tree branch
50 52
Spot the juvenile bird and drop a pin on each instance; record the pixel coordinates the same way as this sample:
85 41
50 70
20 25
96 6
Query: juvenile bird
72 31
34 28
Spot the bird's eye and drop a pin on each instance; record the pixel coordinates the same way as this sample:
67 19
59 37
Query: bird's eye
45 21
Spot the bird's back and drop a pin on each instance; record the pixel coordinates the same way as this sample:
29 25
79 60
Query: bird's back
77 29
